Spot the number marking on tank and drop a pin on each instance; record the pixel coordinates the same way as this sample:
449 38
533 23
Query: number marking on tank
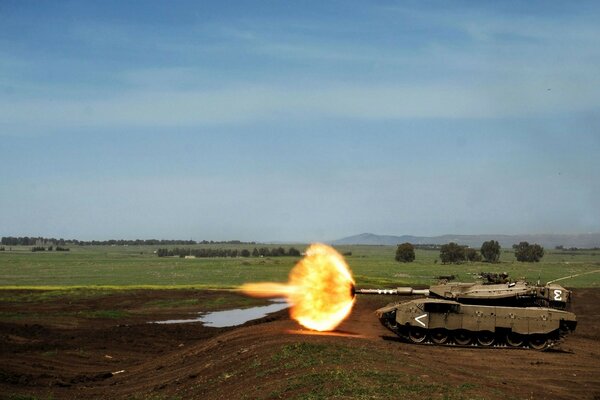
558 295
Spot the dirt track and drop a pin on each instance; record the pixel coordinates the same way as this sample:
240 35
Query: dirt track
274 358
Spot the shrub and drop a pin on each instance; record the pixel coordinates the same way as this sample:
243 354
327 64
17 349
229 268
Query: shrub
405 252
264 252
294 252
526 252
472 255
452 253
490 251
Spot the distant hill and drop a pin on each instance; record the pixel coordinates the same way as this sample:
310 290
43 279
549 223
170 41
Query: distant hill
584 240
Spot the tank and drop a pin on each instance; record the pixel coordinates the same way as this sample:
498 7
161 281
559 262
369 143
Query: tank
485 314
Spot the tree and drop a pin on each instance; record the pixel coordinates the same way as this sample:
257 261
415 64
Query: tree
278 252
294 252
526 252
472 254
405 252
452 253
245 253
490 251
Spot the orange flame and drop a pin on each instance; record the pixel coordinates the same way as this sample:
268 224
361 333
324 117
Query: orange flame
319 289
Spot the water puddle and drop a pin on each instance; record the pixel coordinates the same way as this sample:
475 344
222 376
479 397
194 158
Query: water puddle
238 316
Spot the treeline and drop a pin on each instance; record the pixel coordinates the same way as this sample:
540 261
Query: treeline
563 248
453 253
29 241
49 248
42 241
260 252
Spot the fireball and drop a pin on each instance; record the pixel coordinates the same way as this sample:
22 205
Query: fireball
320 289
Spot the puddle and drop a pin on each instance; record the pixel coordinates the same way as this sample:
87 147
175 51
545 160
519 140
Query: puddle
238 316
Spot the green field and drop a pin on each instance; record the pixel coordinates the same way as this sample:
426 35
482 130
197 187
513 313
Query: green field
138 267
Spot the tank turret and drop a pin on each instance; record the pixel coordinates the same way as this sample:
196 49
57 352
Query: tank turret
513 314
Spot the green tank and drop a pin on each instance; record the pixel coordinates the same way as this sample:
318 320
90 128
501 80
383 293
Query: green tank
510 314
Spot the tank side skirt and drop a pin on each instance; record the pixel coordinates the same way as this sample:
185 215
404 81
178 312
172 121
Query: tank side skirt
401 325
499 343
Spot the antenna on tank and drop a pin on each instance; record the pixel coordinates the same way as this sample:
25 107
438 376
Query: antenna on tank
573 276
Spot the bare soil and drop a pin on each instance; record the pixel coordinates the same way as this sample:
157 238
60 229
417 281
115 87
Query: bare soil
108 358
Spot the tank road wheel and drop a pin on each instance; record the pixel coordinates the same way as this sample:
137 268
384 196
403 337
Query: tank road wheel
538 342
462 337
417 335
486 338
439 336
514 339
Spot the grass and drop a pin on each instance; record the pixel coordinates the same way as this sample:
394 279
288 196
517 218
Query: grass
319 371
114 268
136 267
210 304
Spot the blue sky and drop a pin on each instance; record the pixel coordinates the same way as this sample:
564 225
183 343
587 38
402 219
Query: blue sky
298 120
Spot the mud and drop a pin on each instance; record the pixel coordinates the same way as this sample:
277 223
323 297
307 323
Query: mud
71 358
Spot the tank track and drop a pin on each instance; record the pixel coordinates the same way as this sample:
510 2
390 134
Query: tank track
498 344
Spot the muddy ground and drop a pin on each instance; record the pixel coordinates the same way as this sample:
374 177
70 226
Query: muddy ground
124 357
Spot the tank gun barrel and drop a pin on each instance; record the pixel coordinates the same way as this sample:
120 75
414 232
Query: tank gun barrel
401 291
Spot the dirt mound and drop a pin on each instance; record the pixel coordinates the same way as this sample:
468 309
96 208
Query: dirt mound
275 358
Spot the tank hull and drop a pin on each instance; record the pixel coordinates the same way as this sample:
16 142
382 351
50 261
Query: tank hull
449 322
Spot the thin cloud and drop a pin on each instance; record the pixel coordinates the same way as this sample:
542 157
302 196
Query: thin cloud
244 103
